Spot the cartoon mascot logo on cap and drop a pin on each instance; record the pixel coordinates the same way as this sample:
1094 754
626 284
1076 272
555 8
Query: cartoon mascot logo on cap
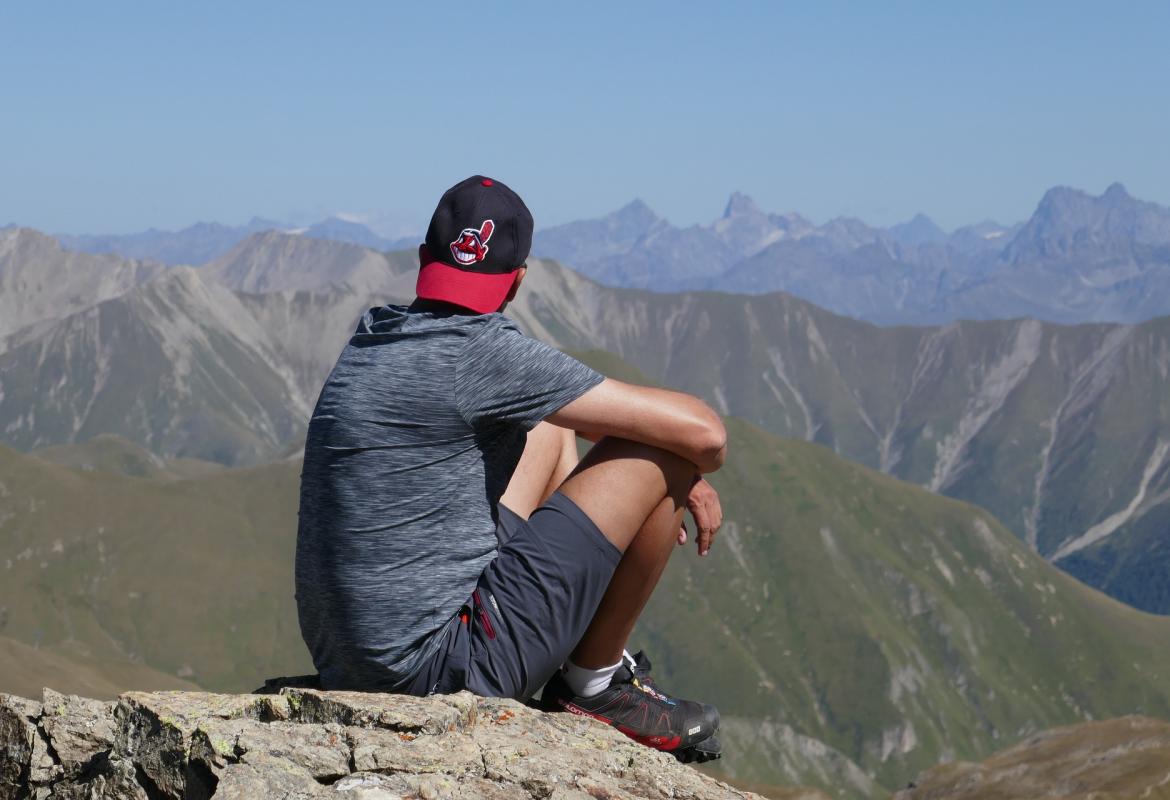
471 246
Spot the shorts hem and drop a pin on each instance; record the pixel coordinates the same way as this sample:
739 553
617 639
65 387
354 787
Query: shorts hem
570 509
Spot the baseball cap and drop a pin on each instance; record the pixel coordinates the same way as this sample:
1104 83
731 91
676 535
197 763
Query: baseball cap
480 234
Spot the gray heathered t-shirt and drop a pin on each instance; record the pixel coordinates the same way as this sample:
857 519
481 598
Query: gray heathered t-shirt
414 438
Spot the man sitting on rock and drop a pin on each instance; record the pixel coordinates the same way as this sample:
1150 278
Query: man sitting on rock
448 538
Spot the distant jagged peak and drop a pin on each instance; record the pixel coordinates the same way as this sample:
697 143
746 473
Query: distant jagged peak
1070 223
185 287
31 245
850 226
740 204
273 261
340 222
921 220
985 227
918 230
15 236
344 228
1116 191
285 240
636 212
1064 198
1059 197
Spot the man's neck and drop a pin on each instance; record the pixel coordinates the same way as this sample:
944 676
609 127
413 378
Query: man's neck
439 307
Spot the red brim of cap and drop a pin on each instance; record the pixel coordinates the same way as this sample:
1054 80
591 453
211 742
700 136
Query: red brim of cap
477 291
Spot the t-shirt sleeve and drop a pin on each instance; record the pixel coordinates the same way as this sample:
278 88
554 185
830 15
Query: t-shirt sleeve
504 376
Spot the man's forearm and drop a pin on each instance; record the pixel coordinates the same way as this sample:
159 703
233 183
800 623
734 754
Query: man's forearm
673 421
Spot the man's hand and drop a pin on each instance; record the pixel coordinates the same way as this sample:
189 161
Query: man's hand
703 503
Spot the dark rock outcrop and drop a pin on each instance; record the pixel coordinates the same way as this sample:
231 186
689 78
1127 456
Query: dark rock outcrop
304 743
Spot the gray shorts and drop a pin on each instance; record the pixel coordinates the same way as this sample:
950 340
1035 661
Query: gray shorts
530 607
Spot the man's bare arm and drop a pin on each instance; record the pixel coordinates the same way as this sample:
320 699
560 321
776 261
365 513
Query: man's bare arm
673 421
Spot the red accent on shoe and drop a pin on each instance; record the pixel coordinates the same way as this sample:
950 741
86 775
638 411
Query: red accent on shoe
656 742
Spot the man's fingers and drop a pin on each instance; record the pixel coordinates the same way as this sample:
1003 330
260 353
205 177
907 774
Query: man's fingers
682 534
704 540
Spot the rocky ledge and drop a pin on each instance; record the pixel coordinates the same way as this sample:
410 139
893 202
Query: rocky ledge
304 743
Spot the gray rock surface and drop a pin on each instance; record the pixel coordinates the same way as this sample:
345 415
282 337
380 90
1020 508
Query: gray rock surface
305 743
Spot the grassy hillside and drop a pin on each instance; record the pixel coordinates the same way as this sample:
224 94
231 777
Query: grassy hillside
72 668
1116 759
853 629
192 577
108 452
892 624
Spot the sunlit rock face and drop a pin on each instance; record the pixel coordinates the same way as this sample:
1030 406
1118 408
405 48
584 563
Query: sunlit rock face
304 743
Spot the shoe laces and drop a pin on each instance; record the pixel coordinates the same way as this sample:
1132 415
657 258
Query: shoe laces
639 667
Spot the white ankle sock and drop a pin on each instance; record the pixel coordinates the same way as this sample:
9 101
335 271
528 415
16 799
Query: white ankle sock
588 682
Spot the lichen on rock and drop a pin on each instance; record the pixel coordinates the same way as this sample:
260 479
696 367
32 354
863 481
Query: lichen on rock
306 743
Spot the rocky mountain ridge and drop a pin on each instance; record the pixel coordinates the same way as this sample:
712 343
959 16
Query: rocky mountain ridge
303 744
42 281
206 241
1079 258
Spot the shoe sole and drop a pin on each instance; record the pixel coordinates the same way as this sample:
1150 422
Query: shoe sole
710 749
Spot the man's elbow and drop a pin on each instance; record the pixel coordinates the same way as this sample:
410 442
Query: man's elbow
712 442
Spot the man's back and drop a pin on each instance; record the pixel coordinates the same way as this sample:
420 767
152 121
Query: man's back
414 437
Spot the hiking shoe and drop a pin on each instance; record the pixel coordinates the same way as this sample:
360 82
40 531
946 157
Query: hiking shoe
639 710
639 664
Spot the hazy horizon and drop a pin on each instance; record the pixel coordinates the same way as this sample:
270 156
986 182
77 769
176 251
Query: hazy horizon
165 116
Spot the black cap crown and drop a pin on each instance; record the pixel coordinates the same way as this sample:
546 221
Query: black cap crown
480 225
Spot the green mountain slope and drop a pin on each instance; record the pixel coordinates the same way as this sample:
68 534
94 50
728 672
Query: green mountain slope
1115 759
892 624
855 603
853 629
71 668
1062 432
108 452
189 577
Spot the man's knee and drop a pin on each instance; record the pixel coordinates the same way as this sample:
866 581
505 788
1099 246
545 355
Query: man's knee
677 471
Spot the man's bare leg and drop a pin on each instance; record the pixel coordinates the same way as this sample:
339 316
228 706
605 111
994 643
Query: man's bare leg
636 495
549 456
633 582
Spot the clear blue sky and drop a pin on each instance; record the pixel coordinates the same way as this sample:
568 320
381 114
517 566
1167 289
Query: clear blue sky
119 116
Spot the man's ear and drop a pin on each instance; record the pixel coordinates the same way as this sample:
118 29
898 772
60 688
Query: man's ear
520 273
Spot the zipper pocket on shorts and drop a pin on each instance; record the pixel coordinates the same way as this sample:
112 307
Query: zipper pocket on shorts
484 619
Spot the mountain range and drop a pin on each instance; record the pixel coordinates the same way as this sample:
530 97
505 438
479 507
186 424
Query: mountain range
206 241
1059 431
1079 258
